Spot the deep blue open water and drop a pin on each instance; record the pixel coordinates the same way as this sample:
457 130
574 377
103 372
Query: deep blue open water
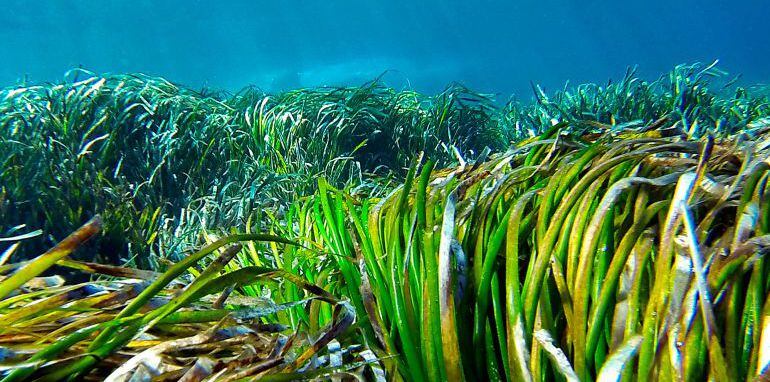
492 46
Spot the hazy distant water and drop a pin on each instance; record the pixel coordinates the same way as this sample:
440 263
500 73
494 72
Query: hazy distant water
492 46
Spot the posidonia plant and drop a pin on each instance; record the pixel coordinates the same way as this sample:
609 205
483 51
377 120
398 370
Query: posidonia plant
163 163
567 257
608 233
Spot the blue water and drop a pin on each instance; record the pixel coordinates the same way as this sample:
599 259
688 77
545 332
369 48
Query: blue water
491 46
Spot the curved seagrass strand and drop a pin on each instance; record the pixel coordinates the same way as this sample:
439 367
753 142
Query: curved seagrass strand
449 335
532 288
490 250
654 331
587 258
518 353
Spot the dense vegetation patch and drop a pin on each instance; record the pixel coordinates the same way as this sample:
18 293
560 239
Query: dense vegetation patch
605 232
162 162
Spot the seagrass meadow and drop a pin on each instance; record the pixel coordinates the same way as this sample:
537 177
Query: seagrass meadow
611 232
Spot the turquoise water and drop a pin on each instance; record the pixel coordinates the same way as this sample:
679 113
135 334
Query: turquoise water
492 46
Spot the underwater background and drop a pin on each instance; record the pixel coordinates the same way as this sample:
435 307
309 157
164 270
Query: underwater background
491 46
384 191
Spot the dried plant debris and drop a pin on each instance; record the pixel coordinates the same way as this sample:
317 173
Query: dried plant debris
129 329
